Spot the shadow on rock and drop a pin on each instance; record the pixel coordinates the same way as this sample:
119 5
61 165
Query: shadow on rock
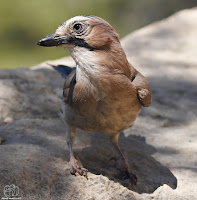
99 159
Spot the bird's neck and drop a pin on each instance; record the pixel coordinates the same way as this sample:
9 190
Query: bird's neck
87 64
88 71
94 67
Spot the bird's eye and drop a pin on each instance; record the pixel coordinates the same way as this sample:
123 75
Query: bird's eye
78 27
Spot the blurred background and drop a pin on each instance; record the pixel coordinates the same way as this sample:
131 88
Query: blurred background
23 23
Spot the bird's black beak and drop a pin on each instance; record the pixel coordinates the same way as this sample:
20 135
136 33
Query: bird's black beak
52 40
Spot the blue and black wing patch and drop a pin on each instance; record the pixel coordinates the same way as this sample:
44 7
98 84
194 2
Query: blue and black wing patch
69 73
63 69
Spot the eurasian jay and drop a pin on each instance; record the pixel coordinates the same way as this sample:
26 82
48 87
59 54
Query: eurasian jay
104 93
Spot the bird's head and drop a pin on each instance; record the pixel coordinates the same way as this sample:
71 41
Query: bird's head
90 32
92 42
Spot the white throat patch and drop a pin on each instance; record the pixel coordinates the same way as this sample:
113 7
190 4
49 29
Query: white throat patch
88 71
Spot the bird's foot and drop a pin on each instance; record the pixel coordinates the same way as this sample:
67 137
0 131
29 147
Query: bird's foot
132 177
75 168
128 174
125 168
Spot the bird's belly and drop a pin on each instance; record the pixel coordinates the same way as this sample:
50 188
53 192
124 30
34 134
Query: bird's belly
108 116
119 116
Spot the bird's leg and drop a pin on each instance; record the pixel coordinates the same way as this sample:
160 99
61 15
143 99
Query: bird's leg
132 177
74 165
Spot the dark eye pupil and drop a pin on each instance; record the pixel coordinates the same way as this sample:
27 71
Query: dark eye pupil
77 27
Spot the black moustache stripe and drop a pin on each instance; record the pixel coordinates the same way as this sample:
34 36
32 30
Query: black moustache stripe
80 43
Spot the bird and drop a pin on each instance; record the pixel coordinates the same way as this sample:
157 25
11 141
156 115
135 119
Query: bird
104 92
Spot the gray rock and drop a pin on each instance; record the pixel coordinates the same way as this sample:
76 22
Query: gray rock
161 145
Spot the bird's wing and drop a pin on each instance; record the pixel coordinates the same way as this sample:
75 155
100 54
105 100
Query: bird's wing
63 69
69 73
69 86
143 89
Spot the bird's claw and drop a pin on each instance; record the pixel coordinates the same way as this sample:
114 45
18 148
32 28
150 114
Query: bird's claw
75 168
129 175
132 178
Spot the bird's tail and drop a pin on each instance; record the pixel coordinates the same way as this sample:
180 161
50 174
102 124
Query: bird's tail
62 69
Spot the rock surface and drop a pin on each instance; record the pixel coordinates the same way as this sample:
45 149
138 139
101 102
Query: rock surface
161 145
